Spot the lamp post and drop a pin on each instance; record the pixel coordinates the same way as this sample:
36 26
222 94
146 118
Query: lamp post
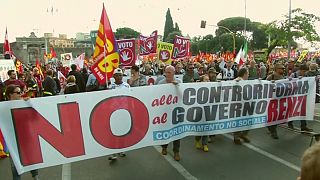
204 23
289 31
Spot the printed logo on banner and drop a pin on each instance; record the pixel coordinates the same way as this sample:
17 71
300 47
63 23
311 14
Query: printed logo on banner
164 55
127 52
164 51
180 47
148 44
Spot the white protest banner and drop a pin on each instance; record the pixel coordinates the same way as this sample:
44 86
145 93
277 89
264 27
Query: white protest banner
5 66
66 59
87 125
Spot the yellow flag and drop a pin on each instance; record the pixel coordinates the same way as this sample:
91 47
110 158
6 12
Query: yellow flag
302 56
164 51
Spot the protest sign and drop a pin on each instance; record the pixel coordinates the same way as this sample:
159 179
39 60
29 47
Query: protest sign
164 52
44 132
127 52
181 47
5 66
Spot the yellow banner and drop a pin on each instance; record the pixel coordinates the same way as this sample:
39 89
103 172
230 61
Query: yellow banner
164 51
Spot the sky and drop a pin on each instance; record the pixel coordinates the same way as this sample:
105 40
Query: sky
71 16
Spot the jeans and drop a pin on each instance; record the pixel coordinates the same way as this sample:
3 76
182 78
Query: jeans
176 146
204 139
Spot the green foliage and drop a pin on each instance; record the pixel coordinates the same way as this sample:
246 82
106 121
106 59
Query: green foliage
171 36
126 33
234 24
168 27
302 26
259 36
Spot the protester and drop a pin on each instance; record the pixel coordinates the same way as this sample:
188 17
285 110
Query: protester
137 79
71 86
278 74
49 84
118 84
13 80
302 72
92 83
243 74
310 165
227 73
253 71
169 72
79 80
191 75
204 139
14 92
32 85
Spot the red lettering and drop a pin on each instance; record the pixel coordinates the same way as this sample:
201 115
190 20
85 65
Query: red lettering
175 100
282 108
29 125
169 99
273 110
290 106
156 120
100 122
164 118
155 103
303 108
162 100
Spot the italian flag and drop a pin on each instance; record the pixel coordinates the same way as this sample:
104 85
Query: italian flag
241 57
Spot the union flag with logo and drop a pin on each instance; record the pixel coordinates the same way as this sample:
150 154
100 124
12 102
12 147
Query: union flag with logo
106 57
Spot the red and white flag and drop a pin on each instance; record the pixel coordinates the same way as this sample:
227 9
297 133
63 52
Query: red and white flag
6 47
126 48
148 45
79 61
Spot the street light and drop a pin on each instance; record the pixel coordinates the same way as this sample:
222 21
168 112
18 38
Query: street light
204 23
289 31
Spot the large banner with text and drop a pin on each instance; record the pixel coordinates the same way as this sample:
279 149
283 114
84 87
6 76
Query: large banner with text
44 132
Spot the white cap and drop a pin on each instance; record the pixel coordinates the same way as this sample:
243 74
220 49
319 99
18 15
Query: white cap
117 71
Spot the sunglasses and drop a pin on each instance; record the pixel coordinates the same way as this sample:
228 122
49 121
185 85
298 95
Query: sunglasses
17 92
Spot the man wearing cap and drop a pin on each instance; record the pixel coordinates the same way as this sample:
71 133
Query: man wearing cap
118 84
212 73
277 74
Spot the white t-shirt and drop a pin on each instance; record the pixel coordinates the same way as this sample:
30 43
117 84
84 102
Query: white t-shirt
228 74
124 85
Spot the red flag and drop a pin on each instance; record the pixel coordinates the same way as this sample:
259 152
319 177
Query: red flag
53 53
148 45
106 56
39 68
19 66
127 52
6 47
180 47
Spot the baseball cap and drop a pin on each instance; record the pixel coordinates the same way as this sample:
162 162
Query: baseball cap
117 71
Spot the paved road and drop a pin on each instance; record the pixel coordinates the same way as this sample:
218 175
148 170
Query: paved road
263 159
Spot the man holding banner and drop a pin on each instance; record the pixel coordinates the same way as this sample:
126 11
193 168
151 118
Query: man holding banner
277 74
169 72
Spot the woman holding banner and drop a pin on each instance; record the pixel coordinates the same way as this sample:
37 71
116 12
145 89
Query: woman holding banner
14 92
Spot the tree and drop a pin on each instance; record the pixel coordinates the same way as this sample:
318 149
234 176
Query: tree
302 27
234 24
168 27
126 33
171 36
176 27
259 36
